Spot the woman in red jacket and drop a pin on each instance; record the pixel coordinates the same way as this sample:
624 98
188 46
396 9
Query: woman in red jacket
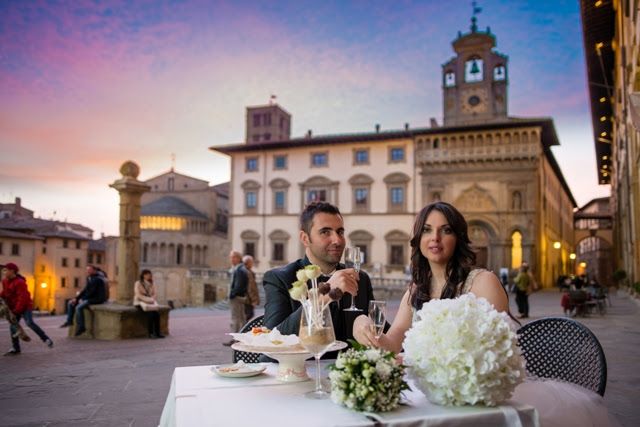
16 295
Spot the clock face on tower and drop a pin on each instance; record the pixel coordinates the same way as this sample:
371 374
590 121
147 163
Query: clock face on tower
474 100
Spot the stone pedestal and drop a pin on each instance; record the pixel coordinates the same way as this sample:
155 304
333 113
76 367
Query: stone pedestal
116 321
121 320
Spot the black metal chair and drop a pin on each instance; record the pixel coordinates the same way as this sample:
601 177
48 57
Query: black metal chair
561 348
243 355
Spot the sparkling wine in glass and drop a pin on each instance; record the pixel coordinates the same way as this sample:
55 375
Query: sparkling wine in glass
378 316
316 336
353 259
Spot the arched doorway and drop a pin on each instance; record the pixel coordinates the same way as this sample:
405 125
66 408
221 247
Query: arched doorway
479 236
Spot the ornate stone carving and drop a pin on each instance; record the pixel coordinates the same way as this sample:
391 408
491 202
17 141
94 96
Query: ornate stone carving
476 199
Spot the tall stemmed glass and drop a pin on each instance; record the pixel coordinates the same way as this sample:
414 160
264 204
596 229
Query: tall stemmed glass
353 259
316 336
378 316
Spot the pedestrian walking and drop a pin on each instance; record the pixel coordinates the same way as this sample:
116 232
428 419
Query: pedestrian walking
17 298
524 286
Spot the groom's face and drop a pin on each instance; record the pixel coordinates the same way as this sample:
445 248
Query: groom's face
325 241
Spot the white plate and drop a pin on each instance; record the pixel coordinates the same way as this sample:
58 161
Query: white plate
232 370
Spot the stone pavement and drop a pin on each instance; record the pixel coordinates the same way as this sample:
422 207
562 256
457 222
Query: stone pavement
125 383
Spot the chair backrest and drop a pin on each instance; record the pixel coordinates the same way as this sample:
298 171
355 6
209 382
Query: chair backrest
242 355
561 348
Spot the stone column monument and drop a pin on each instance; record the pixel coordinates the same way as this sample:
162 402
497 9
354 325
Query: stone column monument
131 191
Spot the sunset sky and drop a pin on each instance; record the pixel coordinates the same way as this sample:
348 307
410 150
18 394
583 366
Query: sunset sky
87 85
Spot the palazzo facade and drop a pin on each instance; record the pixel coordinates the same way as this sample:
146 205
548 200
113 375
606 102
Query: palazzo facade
498 170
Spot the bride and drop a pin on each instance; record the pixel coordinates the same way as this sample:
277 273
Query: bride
442 265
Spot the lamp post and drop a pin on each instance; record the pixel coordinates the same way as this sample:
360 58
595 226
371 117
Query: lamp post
557 245
572 257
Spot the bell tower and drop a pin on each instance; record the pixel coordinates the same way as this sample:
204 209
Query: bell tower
474 82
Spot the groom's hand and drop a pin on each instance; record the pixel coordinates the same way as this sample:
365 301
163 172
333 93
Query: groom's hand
346 280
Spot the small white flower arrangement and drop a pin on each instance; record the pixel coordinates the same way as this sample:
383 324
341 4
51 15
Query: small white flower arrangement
367 379
462 351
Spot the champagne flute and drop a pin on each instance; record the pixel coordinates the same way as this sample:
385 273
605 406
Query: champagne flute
353 259
316 336
378 316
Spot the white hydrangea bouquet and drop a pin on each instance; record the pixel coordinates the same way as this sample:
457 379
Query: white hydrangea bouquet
367 379
462 351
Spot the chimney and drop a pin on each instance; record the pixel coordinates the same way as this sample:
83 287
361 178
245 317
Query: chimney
434 122
406 126
18 202
309 133
377 128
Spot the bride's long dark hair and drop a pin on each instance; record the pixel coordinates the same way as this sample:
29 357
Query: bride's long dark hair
458 267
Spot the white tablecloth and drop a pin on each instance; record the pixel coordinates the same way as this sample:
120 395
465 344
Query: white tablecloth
198 397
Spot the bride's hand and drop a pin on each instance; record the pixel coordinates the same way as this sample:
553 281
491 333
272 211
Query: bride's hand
363 331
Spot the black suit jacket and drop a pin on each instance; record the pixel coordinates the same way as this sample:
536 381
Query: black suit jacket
239 282
283 312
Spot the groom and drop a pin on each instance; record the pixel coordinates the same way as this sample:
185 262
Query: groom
322 234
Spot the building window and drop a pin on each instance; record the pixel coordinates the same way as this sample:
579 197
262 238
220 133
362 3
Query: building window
279 240
436 197
396 255
319 188
267 119
1 249
76 282
267 137
252 164
250 248
256 120
396 155
361 156
361 187
256 138
15 249
449 79
43 268
315 195
397 191
397 196
363 240
279 200
171 182
252 200
319 160
516 249
499 73
361 198
278 252
64 262
77 263
397 241
44 250
65 243
90 258
280 162
251 189
63 282
78 243
250 241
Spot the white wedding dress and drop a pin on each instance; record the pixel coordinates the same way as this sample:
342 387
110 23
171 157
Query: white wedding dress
558 403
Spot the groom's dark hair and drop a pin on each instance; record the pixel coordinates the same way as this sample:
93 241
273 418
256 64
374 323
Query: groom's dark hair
309 211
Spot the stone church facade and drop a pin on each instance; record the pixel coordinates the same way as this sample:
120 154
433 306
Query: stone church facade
498 170
183 230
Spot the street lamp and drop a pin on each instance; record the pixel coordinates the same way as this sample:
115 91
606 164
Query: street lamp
556 245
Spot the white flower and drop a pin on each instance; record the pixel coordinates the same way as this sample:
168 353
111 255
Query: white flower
367 380
462 351
312 271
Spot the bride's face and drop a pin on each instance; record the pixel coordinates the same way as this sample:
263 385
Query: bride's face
438 241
